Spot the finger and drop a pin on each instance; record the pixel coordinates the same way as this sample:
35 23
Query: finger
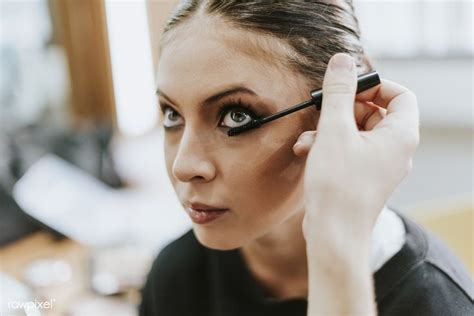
362 112
401 125
402 113
400 102
367 115
383 93
303 144
374 118
339 87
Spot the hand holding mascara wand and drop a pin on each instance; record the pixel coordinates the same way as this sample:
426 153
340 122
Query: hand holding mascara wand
349 175
364 82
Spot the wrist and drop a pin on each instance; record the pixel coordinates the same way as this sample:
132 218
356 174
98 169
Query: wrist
337 233
338 254
346 279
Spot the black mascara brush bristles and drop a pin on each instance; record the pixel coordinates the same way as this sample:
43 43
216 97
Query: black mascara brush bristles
259 122
240 129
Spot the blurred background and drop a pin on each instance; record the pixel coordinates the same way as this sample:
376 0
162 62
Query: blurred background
85 202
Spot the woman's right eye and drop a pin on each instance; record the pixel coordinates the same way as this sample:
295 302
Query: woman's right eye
171 118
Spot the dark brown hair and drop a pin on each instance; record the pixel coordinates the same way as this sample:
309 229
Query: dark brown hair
313 30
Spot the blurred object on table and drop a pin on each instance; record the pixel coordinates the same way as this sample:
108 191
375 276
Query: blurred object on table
13 293
41 268
88 150
47 272
116 270
72 202
19 259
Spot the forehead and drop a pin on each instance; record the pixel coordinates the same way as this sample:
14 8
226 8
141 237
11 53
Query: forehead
204 56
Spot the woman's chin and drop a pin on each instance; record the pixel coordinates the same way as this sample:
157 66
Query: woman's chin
216 241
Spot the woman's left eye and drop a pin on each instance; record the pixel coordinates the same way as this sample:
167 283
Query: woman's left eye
235 117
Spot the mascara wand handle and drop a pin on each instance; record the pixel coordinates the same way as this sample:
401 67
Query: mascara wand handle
364 82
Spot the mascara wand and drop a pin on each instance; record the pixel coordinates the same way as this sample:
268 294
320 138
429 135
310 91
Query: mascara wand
364 82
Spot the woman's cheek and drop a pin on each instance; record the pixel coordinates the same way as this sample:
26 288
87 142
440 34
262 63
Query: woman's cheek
273 177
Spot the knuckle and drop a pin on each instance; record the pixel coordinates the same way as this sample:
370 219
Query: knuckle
306 138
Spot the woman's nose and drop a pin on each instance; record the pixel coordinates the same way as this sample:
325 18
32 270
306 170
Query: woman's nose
193 159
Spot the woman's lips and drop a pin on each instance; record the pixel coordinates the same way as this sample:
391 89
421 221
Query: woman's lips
204 207
201 213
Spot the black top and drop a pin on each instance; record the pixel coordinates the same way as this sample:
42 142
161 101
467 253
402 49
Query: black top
189 279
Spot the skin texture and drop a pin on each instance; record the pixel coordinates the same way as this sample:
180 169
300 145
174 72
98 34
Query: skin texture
291 191
256 175
349 176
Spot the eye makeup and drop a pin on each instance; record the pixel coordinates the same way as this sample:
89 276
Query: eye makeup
364 82
241 109
241 112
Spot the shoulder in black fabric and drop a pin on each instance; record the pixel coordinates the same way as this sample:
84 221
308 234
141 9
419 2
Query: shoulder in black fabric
423 278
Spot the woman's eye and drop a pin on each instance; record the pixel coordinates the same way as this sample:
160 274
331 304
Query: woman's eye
171 118
235 118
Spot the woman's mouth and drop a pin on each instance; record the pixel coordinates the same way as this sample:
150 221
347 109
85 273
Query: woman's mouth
201 213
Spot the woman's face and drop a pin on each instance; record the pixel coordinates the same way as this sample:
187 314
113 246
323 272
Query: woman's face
209 81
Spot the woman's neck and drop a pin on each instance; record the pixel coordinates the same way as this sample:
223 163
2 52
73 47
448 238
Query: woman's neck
278 260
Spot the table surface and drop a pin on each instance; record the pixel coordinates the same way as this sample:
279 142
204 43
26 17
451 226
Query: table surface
15 258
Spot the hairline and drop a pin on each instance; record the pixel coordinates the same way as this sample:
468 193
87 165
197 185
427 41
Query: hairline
270 49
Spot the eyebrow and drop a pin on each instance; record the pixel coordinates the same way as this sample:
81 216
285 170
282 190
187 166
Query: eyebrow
216 97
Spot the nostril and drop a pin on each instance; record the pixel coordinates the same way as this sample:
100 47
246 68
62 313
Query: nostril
202 170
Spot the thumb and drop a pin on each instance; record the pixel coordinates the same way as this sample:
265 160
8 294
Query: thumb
339 88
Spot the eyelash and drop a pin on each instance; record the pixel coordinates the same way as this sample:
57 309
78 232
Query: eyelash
238 104
224 109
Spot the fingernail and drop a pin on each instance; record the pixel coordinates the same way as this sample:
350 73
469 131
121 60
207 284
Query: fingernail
341 61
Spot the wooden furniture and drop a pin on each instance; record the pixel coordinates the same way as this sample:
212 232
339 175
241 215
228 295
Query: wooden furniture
16 257
158 12
80 27
74 296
